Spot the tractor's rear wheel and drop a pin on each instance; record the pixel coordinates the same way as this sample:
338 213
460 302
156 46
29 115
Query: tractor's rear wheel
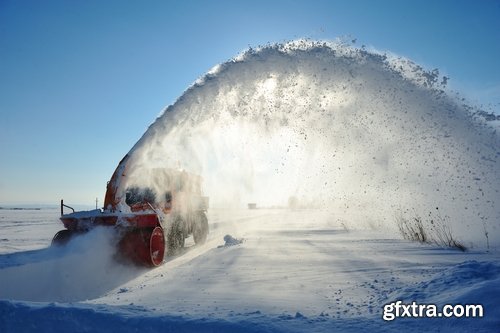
175 237
144 246
200 231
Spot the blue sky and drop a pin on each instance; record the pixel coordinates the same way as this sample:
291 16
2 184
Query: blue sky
80 81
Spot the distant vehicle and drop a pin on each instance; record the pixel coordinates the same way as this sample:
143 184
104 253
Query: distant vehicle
150 221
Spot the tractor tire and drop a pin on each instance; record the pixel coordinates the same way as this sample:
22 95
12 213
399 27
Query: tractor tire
200 231
175 236
62 237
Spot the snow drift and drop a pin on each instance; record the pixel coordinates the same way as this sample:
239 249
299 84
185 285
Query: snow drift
329 125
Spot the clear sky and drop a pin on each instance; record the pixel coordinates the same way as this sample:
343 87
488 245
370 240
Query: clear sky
80 81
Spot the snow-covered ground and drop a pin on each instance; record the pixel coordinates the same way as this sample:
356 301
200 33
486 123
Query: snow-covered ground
294 271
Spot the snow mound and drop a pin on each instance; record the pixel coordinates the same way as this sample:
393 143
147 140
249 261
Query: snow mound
463 283
469 282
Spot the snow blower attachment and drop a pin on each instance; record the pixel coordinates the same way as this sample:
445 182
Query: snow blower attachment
150 221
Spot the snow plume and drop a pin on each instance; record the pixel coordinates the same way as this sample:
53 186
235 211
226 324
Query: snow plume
81 270
328 125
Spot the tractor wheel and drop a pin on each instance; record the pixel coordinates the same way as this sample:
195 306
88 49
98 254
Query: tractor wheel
200 231
62 237
144 246
175 237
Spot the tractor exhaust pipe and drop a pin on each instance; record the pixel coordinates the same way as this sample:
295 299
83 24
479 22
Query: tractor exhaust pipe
62 207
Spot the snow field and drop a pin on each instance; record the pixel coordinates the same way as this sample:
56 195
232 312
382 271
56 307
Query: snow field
294 271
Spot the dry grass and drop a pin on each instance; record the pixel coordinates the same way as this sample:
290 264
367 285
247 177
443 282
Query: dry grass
435 230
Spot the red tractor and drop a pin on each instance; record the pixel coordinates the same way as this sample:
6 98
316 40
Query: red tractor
151 221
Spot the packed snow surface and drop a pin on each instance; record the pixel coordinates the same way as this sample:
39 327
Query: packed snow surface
295 271
334 145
